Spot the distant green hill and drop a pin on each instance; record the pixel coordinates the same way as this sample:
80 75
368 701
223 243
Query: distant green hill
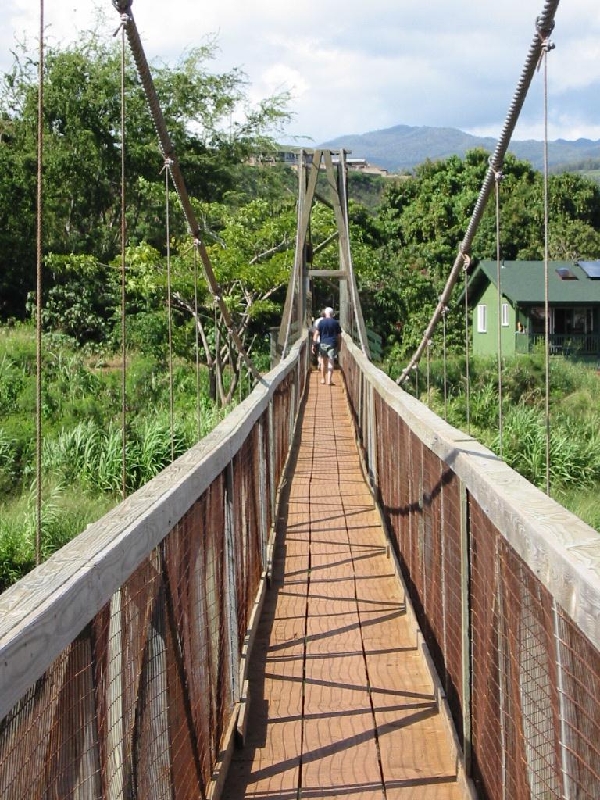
403 147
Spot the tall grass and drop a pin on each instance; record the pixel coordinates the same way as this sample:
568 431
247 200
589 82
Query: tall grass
82 455
574 445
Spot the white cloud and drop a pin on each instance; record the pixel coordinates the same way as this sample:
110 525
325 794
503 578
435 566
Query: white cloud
352 67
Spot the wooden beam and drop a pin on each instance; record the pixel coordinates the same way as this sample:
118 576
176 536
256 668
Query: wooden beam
328 273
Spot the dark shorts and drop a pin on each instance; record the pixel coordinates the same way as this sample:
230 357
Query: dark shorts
327 351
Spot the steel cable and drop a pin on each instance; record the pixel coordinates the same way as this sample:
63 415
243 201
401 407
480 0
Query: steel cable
546 47
168 151
498 178
38 311
123 279
544 27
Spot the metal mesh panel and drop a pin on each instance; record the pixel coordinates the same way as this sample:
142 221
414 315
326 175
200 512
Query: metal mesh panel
136 706
246 529
453 566
579 686
515 698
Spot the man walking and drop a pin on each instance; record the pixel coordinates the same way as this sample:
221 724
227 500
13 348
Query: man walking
328 336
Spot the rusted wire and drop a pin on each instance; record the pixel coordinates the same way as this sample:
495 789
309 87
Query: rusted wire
197 342
498 179
546 47
123 278
466 266
167 168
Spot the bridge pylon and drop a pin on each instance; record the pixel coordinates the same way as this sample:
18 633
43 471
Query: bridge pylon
297 310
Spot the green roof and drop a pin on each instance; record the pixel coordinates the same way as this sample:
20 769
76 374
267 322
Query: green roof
522 282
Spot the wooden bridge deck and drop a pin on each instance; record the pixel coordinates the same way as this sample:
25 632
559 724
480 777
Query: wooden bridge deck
342 703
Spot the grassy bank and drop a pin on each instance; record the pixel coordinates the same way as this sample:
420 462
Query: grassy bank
82 437
574 419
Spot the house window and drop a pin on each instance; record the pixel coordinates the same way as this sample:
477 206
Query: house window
505 315
482 319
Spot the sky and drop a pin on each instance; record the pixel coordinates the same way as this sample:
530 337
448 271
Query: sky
353 67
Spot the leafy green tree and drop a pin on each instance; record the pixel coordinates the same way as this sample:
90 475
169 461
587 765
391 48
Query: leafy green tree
424 218
83 145
252 253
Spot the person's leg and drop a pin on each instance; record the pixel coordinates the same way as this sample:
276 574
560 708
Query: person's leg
330 366
322 364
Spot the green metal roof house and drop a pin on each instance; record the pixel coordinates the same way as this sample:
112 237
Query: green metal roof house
573 301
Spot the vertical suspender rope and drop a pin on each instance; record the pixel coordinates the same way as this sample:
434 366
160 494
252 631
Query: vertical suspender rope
38 391
444 312
545 25
198 407
498 176
169 314
467 347
123 281
428 371
546 47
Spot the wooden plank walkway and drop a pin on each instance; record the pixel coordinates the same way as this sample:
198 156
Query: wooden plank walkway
341 702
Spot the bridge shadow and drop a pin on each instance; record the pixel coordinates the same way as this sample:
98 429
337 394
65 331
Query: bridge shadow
340 701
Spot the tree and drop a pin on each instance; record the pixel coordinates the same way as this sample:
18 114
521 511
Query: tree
252 254
83 145
424 218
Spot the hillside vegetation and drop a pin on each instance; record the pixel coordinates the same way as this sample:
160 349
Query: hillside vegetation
404 237
574 425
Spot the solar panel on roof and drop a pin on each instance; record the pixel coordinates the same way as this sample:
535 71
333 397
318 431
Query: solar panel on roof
591 268
565 274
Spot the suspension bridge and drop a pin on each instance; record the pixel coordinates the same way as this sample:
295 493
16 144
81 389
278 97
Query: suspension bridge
334 593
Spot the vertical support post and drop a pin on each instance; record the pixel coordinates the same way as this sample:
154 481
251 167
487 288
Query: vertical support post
443 593
372 438
272 451
300 260
230 586
292 416
115 735
466 648
562 710
262 496
346 315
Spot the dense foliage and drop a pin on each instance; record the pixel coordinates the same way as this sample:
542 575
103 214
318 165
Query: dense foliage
574 425
404 230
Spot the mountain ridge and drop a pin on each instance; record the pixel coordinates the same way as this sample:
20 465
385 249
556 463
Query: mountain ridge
403 147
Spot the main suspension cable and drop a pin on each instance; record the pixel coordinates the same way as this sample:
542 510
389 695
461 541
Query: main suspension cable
544 26
168 150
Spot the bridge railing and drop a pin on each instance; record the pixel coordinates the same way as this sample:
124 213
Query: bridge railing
505 584
123 657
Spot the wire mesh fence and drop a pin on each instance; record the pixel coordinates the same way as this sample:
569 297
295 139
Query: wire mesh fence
138 702
506 589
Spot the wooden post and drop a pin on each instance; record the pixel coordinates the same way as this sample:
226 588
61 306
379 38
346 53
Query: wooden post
114 711
562 711
262 493
467 670
230 586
